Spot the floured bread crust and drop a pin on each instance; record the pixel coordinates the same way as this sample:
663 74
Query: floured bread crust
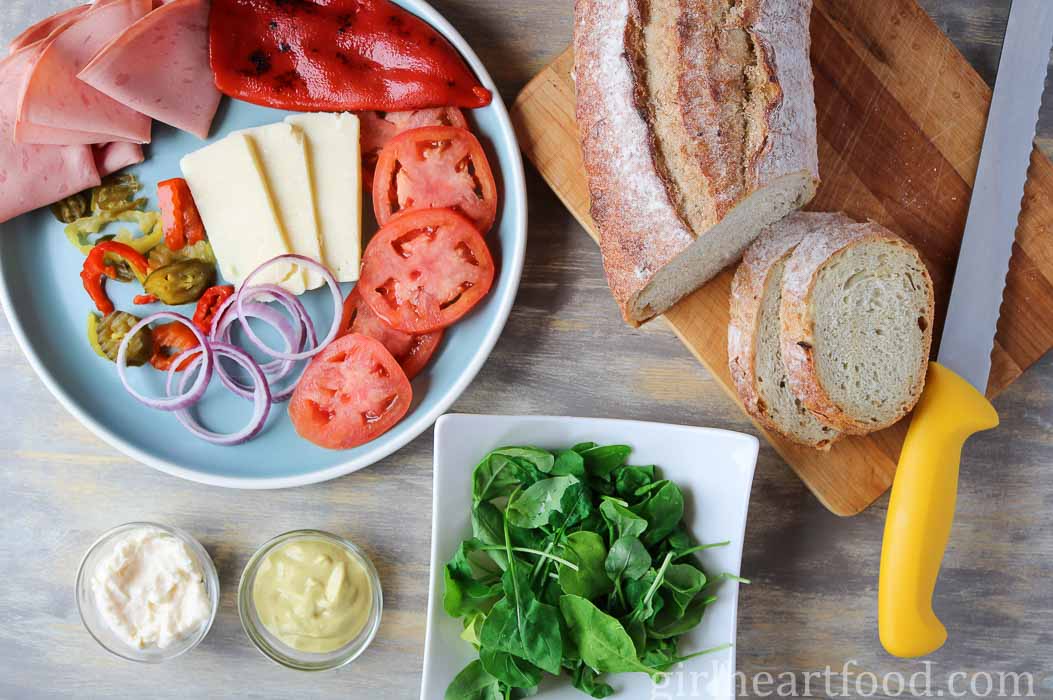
687 111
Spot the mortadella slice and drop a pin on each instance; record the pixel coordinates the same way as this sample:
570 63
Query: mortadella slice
111 157
43 28
33 176
159 66
53 97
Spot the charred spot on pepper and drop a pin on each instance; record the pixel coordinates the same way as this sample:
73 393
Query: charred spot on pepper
287 81
260 61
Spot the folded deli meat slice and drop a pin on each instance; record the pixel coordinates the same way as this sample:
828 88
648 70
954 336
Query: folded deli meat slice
43 28
34 133
111 157
32 176
159 66
53 96
698 130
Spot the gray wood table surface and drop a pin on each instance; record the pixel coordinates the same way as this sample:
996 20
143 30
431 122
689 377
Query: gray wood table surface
565 351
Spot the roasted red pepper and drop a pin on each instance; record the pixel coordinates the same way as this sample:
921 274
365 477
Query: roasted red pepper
209 304
336 55
180 218
170 340
141 299
96 270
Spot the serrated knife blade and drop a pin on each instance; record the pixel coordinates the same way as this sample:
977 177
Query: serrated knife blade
953 405
994 212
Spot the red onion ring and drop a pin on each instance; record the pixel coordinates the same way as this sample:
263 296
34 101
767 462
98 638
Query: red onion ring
187 398
293 306
275 370
247 290
261 396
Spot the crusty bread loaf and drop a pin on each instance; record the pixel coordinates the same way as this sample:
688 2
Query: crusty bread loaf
754 350
857 314
697 125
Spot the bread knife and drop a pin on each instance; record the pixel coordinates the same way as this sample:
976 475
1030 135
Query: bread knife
953 405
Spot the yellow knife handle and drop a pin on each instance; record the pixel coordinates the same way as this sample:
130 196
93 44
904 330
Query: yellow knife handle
921 510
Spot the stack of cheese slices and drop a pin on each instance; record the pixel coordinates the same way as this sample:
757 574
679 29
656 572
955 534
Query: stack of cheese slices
289 187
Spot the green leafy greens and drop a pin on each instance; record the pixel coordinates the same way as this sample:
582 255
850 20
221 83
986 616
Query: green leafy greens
578 563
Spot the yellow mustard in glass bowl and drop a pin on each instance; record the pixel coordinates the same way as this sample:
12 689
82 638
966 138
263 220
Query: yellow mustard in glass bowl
312 595
310 600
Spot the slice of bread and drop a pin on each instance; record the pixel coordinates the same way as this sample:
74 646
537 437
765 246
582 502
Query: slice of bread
754 350
857 315
698 129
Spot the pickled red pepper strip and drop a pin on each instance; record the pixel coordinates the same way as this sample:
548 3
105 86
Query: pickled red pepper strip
209 303
96 270
180 218
336 55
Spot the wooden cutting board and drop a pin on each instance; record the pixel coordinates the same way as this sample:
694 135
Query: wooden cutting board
901 122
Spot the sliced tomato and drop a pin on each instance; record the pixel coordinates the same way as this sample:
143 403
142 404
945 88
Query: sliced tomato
352 392
425 270
378 128
411 351
435 167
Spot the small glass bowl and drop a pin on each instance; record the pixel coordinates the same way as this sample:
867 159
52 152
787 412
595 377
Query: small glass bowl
101 632
280 652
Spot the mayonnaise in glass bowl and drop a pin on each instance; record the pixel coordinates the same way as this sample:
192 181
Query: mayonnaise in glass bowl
95 620
275 648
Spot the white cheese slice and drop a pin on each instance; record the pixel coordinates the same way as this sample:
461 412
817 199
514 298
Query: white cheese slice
282 152
231 195
335 161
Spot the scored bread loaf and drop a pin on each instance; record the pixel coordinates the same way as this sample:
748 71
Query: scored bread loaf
857 315
754 350
698 129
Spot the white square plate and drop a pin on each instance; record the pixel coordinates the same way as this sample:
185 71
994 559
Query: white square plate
714 468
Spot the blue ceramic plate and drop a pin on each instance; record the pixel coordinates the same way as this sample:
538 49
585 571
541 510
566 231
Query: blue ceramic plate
47 307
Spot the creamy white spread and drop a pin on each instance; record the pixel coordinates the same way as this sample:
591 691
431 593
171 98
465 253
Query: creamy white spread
150 590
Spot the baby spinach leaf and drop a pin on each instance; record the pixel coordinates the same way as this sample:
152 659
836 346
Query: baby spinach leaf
587 551
583 447
465 589
510 670
622 521
602 641
494 477
588 681
461 597
474 683
662 509
487 528
601 461
682 583
660 653
647 604
627 480
534 506
520 624
473 624
667 624
541 460
628 558
569 463
529 631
